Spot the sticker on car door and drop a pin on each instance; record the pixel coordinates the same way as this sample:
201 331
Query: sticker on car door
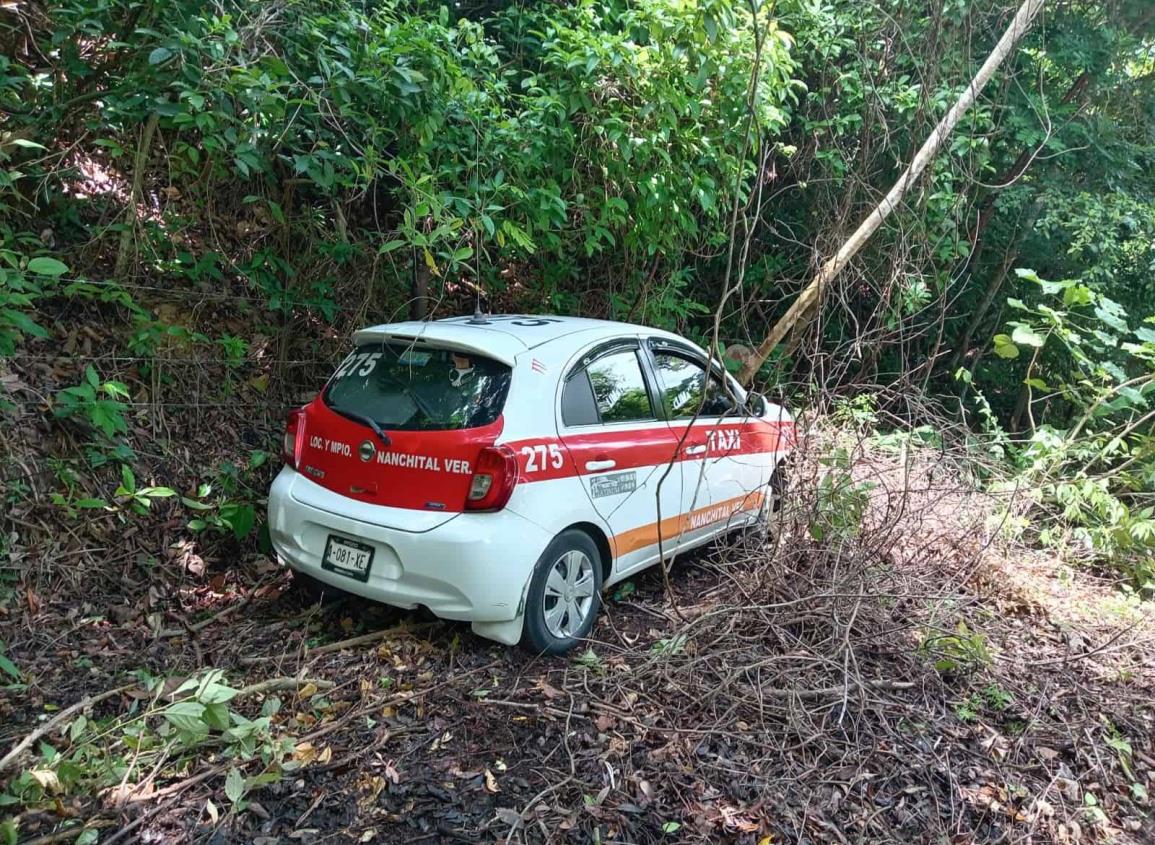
614 484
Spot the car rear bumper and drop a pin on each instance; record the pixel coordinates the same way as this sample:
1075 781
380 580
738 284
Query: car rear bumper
473 567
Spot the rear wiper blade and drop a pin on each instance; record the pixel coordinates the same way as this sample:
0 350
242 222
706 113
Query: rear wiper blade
372 423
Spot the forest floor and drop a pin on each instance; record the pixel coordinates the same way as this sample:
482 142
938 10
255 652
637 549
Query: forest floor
916 684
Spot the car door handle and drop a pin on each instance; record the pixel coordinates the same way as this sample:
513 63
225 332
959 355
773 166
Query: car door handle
700 449
598 466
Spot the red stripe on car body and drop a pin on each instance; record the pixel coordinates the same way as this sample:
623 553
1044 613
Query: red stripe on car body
650 446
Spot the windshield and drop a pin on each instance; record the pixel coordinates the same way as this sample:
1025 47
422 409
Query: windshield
404 388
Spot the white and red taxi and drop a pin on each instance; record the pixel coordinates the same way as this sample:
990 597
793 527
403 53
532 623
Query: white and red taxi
506 469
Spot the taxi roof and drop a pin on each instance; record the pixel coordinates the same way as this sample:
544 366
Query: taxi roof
502 336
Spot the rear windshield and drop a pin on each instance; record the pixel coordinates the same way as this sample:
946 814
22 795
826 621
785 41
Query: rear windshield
401 387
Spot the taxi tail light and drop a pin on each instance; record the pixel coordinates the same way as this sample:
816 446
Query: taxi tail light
494 477
294 439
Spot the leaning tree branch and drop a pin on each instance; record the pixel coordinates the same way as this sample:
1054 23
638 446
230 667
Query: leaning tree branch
812 293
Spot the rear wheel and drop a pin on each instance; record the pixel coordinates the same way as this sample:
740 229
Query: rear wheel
772 503
564 594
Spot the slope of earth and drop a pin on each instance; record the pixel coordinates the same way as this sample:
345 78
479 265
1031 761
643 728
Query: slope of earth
900 685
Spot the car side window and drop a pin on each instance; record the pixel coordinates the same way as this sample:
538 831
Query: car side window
578 406
682 382
619 389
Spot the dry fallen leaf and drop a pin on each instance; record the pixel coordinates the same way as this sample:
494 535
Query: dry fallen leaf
305 753
508 816
370 788
48 781
549 691
646 789
391 773
491 782
307 691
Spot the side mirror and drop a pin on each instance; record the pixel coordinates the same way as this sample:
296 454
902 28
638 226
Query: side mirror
756 402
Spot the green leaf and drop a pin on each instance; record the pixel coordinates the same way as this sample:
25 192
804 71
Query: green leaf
1024 335
187 716
44 266
1112 313
23 322
671 827
217 693
392 245
242 521
1078 295
1133 397
108 417
217 716
115 389
159 56
156 492
234 785
8 667
1005 347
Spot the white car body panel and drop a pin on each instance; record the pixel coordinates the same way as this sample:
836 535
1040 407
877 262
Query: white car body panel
602 476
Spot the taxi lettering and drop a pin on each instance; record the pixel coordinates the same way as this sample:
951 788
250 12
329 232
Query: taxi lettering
724 439
430 463
716 514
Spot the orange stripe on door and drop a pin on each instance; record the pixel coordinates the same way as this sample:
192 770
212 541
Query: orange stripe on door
672 527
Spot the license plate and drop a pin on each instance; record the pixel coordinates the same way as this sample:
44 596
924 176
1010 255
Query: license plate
347 557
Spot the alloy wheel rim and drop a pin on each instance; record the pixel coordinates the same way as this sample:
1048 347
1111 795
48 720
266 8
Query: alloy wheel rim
568 598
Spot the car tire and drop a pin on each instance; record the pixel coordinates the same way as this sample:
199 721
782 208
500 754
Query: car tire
564 594
775 492
776 489
316 591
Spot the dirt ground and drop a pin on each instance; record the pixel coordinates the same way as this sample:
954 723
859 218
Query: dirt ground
917 683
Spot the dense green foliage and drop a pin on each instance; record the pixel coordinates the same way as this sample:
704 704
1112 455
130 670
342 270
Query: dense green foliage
305 167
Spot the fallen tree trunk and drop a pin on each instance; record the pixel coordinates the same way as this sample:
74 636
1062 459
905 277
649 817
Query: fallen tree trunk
812 294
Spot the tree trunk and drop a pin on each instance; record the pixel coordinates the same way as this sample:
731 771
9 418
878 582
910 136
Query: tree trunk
131 214
420 304
812 293
994 286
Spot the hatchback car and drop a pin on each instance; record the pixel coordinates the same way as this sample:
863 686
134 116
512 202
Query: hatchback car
504 470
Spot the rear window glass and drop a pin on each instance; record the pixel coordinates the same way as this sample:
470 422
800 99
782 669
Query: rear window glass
403 387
